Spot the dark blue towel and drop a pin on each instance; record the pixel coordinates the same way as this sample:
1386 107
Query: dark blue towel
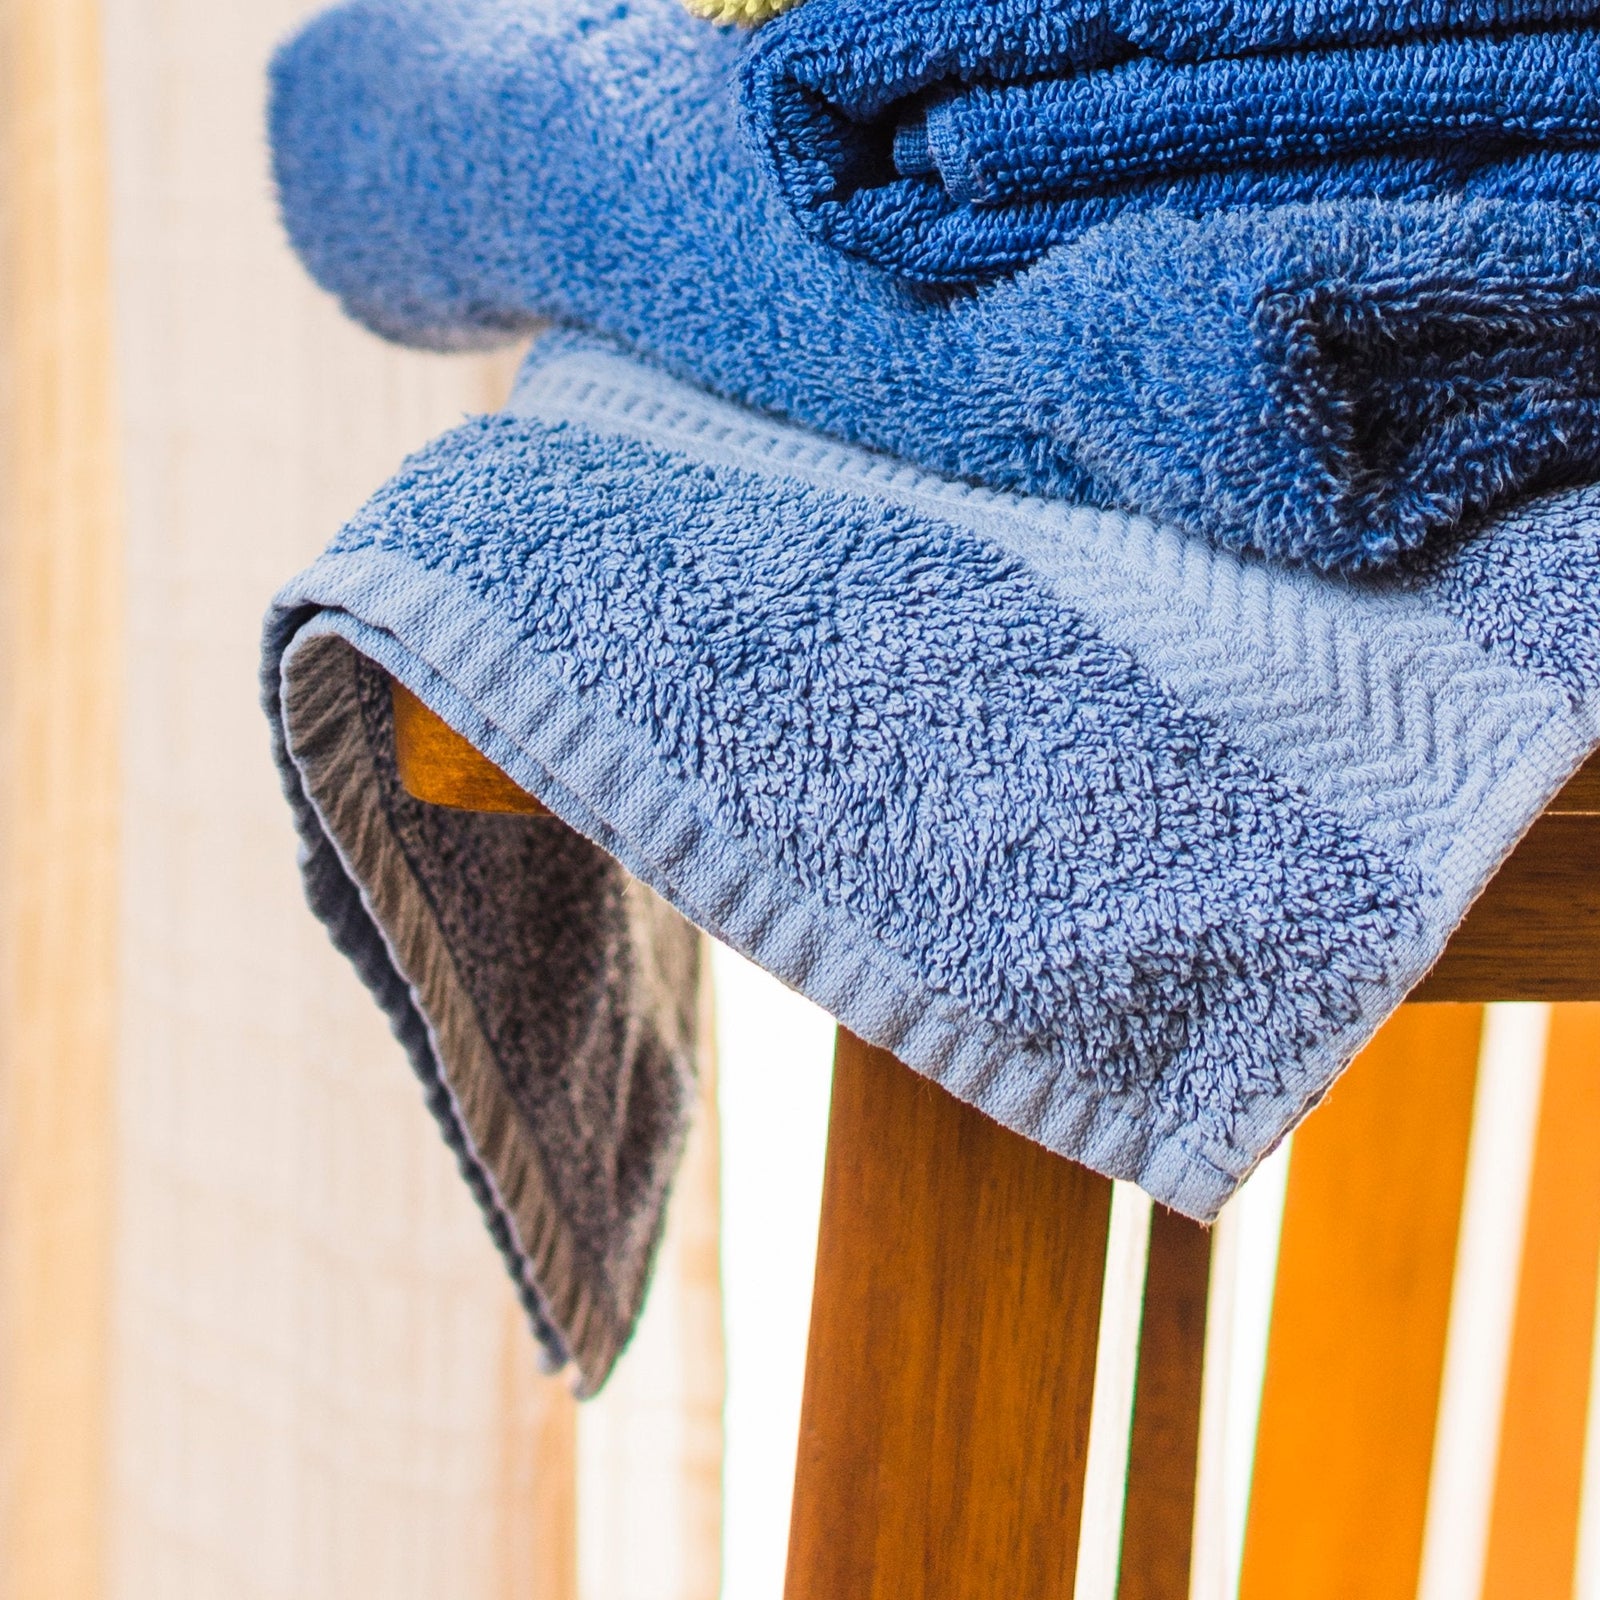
1332 383
951 141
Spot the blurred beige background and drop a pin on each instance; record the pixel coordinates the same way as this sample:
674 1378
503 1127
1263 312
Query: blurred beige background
253 1339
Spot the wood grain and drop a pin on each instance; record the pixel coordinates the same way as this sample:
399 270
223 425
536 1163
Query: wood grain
1534 934
1163 1453
950 1368
437 765
60 571
1356 1350
1533 1530
1580 796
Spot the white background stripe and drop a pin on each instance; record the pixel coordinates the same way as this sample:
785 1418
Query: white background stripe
1115 1367
1483 1302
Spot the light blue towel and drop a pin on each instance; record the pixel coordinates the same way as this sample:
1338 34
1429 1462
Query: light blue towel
1334 383
1125 840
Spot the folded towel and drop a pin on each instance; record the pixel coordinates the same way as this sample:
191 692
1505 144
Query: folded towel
544 997
1330 383
951 141
1127 841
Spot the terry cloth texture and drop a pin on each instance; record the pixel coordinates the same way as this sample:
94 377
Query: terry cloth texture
1331 383
1127 841
952 140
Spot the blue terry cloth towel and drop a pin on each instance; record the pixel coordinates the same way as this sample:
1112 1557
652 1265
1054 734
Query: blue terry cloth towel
1332 383
951 140
1126 840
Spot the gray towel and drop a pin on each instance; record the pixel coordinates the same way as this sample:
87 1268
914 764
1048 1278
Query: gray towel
546 998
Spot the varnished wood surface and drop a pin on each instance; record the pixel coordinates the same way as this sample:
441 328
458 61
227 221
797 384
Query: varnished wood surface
1581 794
1163 1451
950 1365
1534 933
1533 1529
1355 1355
61 566
437 765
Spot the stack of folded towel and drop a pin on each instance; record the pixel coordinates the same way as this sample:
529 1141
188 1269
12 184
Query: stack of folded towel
1332 381
1059 529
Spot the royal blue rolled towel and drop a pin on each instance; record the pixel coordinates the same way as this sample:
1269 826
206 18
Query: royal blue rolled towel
950 141
1332 383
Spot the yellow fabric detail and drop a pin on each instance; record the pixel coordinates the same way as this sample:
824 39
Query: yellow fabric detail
746 13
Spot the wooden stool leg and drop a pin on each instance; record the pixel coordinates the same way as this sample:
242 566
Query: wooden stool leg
951 1363
1533 1530
1360 1316
1163 1452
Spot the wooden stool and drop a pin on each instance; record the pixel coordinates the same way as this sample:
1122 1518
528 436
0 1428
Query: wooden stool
960 1270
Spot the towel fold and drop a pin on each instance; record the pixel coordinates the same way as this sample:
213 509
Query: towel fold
951 141
546 1000
1331 383
1127 841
